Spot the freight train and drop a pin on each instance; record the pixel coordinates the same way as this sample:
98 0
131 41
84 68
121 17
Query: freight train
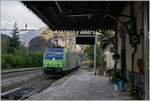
59 60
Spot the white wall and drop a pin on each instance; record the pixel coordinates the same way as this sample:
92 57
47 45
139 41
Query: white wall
109 59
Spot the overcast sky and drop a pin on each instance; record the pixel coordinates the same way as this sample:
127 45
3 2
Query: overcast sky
12 11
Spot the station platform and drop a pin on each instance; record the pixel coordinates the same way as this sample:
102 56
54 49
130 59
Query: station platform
81 85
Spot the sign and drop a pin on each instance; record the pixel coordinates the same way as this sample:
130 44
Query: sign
85 39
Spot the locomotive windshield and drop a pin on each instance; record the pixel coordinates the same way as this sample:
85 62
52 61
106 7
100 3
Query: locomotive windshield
54 54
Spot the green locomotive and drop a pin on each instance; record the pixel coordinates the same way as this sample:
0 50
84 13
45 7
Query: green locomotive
59 60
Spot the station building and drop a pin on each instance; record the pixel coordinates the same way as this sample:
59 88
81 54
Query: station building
134 57
129 20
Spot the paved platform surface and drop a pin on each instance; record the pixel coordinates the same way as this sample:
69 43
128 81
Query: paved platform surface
81 85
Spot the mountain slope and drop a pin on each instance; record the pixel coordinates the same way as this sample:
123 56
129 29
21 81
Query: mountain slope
26 36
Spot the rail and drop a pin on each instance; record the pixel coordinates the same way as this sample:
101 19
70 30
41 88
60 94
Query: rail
19 70
25 91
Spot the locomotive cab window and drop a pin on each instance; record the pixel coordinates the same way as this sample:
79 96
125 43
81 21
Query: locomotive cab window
54 54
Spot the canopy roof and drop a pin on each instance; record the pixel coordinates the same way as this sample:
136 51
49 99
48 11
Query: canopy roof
77 15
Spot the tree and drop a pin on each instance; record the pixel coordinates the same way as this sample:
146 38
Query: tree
99 55
4 43
14 42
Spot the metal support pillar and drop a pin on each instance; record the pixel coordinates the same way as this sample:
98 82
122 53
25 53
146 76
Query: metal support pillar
116 47
123 56
95 55
66 40
146 51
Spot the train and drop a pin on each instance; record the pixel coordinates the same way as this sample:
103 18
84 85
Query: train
59 61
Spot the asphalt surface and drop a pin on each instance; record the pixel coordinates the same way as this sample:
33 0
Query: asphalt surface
81 85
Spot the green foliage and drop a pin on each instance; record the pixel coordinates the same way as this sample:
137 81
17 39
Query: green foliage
4 46
110 33
90 52
3 62
14 42
99 55
15 55
37 58
28 61
9 59
118 76
20 60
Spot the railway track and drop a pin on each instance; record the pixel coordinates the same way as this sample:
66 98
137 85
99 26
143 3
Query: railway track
16 78
34 86
19 72
29 89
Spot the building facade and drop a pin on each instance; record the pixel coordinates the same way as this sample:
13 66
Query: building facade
134 56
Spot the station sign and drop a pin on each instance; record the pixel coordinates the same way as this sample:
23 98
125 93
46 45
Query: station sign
85 39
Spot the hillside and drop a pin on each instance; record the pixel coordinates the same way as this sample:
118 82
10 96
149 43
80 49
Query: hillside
48 39
26 36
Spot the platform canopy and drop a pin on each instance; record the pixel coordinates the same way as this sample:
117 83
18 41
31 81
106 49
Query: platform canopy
77 15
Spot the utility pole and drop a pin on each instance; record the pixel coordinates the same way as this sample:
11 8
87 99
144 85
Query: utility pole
95 55
66 40
27 50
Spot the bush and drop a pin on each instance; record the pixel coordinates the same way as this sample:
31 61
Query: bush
3 63
37 59
20 53
20 62
9 59
34 59
28 61
91 63
40 58
99 56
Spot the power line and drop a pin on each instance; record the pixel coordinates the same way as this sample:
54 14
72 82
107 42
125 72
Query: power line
11 19
18 20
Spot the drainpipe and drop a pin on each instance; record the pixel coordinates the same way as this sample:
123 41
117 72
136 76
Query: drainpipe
133 54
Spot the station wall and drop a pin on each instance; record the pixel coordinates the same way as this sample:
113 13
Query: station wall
139 55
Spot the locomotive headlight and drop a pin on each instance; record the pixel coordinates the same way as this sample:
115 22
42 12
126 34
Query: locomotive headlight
60 65
53 58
